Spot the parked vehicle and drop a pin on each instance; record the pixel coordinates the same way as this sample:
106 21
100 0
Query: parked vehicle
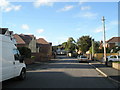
11 62
113 58
82 58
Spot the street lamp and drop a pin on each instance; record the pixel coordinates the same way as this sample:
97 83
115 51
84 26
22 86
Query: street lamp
104 39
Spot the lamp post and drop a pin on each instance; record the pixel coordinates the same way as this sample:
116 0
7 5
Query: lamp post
104 39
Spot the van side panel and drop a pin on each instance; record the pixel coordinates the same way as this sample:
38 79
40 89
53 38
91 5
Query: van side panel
0 60
7 59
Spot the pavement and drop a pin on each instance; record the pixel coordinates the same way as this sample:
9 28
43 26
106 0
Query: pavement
106 71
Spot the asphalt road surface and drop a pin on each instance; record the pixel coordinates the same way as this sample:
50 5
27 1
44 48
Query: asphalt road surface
61 73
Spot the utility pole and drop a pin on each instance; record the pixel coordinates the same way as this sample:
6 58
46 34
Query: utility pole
92 49
104 39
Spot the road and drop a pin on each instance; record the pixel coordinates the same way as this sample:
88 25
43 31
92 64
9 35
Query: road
61 73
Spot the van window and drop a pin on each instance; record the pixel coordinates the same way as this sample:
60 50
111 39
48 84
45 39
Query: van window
16 54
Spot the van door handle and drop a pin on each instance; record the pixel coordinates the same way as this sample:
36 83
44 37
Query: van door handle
13 62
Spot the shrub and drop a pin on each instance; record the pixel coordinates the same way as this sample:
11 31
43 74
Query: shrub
26 52
33 57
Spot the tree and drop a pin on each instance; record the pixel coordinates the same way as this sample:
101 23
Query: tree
25 51
69 45
84 43
96 45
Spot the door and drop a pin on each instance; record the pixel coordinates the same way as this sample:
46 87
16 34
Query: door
17 64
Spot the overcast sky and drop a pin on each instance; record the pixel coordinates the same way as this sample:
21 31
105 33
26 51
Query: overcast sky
56 21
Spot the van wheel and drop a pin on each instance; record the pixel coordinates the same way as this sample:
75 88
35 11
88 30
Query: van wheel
22 75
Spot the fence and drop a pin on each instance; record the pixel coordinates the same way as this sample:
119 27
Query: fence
99 56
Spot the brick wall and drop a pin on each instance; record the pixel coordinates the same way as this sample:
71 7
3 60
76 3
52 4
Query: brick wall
41 57
29 61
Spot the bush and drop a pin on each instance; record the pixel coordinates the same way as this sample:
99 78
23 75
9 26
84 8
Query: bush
33 57
26 52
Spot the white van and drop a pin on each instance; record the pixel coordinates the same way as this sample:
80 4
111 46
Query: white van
11 62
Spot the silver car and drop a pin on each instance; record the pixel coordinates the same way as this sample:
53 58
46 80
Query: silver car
113 58
82 58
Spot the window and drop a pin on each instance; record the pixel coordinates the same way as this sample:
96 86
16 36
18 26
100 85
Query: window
118 56
16 54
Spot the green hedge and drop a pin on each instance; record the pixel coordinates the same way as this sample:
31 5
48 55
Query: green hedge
26 52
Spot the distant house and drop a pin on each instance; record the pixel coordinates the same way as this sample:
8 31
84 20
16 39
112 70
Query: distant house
26 41
44 47
114 41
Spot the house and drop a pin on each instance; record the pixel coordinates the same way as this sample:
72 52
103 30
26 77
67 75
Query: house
26 41
114 41
44 47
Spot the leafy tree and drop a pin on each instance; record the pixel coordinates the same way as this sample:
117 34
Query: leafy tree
69 45
96 45
25 51
84 43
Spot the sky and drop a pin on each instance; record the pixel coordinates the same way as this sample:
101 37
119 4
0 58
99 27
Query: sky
57 21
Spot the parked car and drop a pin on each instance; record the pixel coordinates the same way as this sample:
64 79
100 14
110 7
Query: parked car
11 62
113 58
82 58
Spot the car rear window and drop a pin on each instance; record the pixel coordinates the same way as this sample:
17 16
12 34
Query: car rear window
118 56
83 57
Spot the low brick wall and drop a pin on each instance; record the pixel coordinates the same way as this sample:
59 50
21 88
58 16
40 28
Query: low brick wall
41 57
29 61
116 65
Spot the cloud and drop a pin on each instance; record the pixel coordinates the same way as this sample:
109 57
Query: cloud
66 8
39 3
40 31
87 15
25 27
7 6
85 8
78 29
37 37
114 22
82 1
99 29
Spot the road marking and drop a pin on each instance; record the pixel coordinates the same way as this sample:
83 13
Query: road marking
105 75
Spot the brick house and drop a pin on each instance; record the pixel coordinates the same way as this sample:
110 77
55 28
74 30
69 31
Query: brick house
114 41
43 46
26 41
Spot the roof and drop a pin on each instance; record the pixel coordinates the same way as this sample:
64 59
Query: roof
3 30
113 40
42 41
26 38
23 39
19 40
